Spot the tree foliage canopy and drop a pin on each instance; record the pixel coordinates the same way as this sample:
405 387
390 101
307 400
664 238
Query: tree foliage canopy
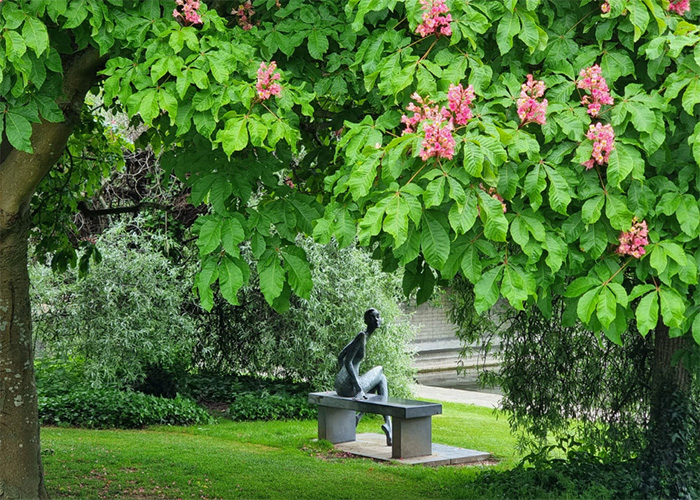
334 133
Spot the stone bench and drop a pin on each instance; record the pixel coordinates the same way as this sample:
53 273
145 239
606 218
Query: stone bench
411 420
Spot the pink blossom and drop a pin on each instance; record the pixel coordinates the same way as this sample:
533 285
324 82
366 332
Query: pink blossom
426 110
632 242
459 100
603 137
244 13
434 18
266 85
592 79
605 7
189 11
438 140
530 110
437 125
680 7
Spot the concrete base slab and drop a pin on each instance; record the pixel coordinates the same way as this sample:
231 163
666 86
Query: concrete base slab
374 446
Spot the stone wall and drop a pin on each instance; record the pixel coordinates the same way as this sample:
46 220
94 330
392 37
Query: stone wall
437 349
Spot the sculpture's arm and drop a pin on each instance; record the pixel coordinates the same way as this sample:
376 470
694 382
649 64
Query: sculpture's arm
349 361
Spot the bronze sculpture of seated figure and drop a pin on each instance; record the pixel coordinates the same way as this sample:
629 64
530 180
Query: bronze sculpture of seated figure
349 383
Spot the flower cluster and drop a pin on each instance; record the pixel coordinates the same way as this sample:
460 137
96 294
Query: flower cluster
438 140
266 85
244 13
632 242
603 137
438 123
530 110
592 79
189 11
436 18
605 7
680 7
459 99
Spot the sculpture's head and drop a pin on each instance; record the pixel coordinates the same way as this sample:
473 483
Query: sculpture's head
372 319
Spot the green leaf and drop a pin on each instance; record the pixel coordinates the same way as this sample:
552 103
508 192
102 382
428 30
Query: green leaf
580 286
298 273
696 329
559 197
318 44
396 220
14 44
607 305
658 259
209 236
230 279
434 192
435 241
617 212
18 131
271 278
474 159
587 303
620 165
496 224
508 27
591 210
691 96
513 286
35 35
234 136
672 307
486 290
232 234
206 276
363 175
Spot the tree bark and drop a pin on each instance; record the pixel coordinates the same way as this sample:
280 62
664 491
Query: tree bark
21 471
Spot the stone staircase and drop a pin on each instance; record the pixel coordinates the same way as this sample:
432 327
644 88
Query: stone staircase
437 352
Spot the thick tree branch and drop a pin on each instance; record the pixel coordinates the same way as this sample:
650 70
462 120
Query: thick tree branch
20 172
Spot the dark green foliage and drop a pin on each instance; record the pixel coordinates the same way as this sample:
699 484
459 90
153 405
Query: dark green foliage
581 476
266 406
66 398
107 407
253 398
670 465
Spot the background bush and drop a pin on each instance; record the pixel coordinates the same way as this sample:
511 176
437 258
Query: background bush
125 317
66 398
303 344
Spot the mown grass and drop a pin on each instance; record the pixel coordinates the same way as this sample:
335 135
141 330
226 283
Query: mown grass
252 460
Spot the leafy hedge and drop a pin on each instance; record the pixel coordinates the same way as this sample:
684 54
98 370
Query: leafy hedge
107 407
66 398
253 398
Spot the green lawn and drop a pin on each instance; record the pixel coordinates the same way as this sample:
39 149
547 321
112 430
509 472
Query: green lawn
260 460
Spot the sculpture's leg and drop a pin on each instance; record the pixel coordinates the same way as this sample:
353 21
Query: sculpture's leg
383 391
358 417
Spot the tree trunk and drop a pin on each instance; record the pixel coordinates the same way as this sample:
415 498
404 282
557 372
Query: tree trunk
667 465
666 378
21 473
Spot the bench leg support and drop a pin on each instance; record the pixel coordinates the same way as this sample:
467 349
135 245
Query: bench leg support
412 437
336 425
